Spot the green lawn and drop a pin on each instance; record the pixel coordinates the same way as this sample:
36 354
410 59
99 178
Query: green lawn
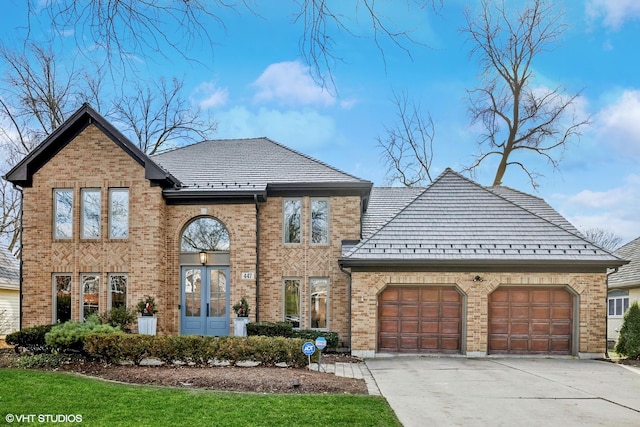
100 403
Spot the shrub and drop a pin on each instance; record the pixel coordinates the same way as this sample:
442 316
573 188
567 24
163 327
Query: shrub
270 329
70 336
629 340
41 361
120 317
31 339
199 350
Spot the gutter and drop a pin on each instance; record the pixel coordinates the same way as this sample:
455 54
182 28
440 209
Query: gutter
255 200
606 318
21 255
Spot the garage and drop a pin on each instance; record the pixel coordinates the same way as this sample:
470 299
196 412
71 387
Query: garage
531 320
420 319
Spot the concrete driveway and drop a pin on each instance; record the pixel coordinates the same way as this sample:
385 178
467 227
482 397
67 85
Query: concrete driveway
458 391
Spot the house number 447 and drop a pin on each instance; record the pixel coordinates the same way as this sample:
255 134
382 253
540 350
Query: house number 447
248 275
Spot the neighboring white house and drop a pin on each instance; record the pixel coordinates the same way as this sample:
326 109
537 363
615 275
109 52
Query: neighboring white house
9 292
624 288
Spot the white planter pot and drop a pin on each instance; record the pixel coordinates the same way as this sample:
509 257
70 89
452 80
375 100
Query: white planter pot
240 326
147 325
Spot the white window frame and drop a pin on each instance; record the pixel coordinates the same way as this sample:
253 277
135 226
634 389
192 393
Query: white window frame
284 300
327 237
83 219
56 235
82 278
111 210
110 291
285 228
54 286
326 303
615 296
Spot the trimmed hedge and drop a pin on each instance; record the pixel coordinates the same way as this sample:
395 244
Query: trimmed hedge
270 329
197 350
32 339
284 329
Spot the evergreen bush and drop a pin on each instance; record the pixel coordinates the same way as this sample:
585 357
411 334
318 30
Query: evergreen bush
629 340
31 339
70 336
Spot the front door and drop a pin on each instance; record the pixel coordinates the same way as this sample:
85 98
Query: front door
205 300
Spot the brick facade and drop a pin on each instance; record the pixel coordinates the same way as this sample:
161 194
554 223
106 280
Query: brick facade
589 291
151 255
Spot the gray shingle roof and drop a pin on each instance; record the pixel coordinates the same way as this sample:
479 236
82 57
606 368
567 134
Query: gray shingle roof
9 270
455 219
245 165
627 275
384 204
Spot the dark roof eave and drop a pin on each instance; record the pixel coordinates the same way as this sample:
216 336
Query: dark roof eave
362 188
186 196
482 264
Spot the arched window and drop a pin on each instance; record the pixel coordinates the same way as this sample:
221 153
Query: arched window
204 234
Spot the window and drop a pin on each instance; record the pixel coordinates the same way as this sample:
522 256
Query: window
319 288
292 302
204 234
90 291
292 210
118 213
61 298
117 291
618 303
63 213
319 222
90 208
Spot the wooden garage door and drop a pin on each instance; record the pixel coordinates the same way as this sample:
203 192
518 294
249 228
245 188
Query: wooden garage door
416 319
530 321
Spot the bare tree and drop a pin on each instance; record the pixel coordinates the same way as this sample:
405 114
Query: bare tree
603 238
39 94
127 29
160 117
407 148
517 116
317 45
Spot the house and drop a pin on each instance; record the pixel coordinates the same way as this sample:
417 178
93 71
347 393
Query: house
9 292
624 288
453 268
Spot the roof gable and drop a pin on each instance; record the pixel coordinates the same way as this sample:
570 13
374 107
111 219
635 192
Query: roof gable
22 173
456 220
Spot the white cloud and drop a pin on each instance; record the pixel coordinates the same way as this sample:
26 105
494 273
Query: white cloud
613 12
613 210
619 123
290 84
213 95
300 130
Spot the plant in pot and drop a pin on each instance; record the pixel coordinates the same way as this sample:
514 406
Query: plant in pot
240 322
147 321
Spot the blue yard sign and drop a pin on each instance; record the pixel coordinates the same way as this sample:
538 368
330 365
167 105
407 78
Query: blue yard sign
321 343
308 348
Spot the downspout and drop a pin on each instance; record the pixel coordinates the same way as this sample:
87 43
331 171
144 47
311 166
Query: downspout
606 318
255 199
21 256
348 273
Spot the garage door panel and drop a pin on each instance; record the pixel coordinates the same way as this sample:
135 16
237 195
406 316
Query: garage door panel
409 326
531 320
390 326
451 311
425 319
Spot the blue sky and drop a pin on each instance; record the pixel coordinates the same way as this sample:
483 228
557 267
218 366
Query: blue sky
255 83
